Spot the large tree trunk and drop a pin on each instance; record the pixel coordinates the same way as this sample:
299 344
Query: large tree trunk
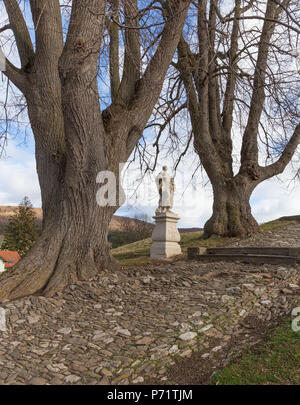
74 139
73 245
231 209
213 102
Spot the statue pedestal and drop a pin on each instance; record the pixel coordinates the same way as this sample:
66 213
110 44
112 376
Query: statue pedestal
165 236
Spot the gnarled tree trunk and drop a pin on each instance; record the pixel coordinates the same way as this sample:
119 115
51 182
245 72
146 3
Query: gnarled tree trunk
211 79
231 209
74 140
73 244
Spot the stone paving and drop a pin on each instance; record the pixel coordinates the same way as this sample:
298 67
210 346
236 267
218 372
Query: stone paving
281 237
128 326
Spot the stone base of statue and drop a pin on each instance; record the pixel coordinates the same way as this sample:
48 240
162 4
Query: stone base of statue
165 236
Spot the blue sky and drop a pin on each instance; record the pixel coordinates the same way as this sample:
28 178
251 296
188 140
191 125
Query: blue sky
270 200
193 201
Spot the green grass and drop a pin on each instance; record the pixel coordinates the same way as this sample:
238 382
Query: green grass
269 226
138 253
276 361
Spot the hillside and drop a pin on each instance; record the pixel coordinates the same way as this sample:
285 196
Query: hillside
138 253
7 211
118 223
122 230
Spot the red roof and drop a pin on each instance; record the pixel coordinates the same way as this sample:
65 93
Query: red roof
10 258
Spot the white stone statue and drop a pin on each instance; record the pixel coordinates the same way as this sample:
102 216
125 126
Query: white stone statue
165 235
166 187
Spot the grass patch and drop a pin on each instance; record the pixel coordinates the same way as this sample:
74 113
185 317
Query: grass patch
138 246
269 226
134 261
277 361
199 240
138 253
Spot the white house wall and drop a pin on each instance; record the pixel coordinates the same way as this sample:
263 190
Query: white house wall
2 266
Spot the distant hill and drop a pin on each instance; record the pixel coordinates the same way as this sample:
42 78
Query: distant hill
186 230
7 211
117 224
123 224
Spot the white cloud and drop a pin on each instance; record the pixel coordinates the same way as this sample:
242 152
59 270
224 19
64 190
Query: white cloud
193 202
273 199
270 200
18 177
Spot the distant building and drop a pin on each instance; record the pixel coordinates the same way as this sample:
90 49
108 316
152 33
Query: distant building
8 259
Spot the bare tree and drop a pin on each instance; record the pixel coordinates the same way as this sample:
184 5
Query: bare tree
75 139
143 226
236 75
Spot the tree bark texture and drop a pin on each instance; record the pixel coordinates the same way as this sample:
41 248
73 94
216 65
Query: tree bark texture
74 139
212 120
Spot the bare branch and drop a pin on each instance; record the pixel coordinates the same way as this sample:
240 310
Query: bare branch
48 30
250 146
272 20
132 58
6 27
15 75
113 30
286 156
20 30
151 83
231 80
84 37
